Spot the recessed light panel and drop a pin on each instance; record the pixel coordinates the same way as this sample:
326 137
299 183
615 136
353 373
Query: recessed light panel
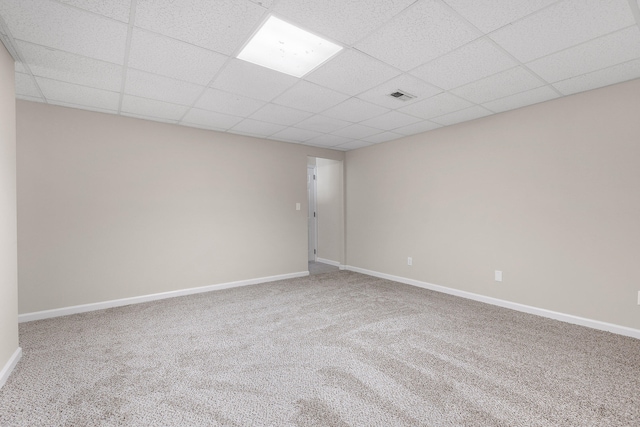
283 47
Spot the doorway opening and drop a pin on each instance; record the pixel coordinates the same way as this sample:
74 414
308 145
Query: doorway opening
325 192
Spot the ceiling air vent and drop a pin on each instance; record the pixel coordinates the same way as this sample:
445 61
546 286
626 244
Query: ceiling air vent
402 95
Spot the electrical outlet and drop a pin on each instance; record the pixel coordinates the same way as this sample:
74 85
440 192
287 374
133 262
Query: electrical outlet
638 297
498 276
409 261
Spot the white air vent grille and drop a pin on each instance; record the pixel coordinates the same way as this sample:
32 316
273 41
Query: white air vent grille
402 95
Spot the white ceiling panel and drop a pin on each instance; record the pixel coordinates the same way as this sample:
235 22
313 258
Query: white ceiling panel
383 137
295 135
608 76
71 68
421 33
356 131
152 108
62 27
116 9
20 68
563 25
228 103
404 83
391 120
436 106
143 117
310 97
221 25
471 62
26 86
78 95
153 86
256 128
419 127
499 85
344 21
355 110
83 107
522 99
328 140
467 114
252 80
278 114
489 15
612 49
358 72
211 119
353 145
29 98
173 58
322 124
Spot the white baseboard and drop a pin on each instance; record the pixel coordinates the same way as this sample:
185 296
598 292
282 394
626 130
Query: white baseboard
330 262
64 311
8 367
568 318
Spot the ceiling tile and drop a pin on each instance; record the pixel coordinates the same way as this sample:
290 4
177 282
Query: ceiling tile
344 21
228 103
310 97
356 131
65 28
71 68
252 80
152 108
328 140
473 61
470 113
143 117
116 9
489 15
404 83
436 106
295 135
20 68
420 127
322 124
30 98
391 120
153 86
82 107
221 25
522 99
210 119
563 25
264 3
358 72
25 86
353 145
421 33
499 85
355 110
256 128
383 137
278 114
603 52
173 58
78 95
608 76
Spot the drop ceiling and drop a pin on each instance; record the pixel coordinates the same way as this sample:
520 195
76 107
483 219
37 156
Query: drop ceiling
174 61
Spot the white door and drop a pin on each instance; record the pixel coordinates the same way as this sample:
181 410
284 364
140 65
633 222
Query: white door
311 192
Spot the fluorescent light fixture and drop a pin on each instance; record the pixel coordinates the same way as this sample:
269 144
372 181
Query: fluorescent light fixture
283 47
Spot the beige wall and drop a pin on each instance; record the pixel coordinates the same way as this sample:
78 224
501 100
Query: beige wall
112 207
549 194
330 208
8 242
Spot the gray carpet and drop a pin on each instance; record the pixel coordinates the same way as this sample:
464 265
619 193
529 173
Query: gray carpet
335 349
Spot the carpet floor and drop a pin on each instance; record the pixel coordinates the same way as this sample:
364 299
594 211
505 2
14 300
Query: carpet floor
334 349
